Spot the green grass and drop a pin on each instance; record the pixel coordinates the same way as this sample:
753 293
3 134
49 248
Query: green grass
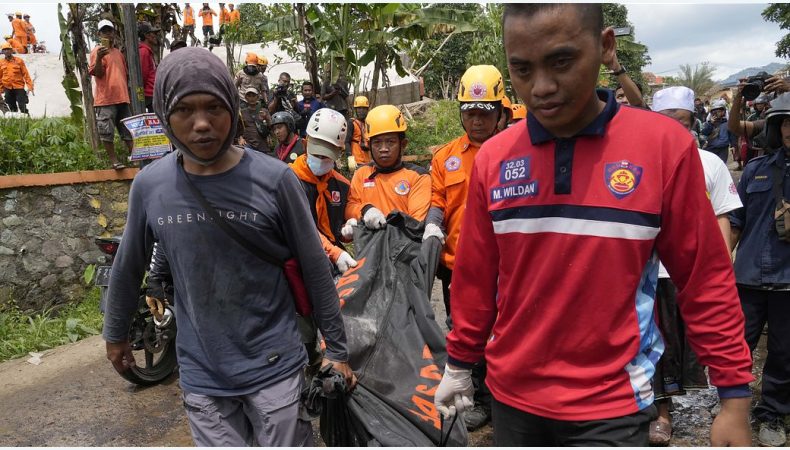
22 332
440 124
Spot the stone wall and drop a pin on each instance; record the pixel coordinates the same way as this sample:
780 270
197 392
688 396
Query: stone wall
46 237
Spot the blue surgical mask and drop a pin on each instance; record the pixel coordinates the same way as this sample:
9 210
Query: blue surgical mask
319 166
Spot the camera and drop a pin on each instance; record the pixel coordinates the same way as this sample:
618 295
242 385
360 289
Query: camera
281 90
754 85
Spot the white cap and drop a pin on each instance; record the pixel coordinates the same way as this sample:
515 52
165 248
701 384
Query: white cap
675 97
105 23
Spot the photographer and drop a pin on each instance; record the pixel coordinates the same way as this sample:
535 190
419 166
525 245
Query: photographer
715 129
307 106
752 131
283 99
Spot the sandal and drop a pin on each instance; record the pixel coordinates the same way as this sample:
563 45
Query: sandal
118 166
660 433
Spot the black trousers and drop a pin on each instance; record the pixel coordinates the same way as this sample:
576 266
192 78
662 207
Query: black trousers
16 99
762 307
516 428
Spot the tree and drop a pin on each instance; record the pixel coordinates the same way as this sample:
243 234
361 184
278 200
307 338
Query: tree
699 78
780 13
486 45
630 53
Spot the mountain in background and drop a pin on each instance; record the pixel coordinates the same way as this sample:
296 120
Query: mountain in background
732 80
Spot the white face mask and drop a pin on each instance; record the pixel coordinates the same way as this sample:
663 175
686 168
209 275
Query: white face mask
319 166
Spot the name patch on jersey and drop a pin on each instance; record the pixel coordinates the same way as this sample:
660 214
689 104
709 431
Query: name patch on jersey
402 188
335 196
519 190
452 164
514 170
622 178
368 183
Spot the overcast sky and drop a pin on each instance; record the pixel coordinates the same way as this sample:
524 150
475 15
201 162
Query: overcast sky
730 36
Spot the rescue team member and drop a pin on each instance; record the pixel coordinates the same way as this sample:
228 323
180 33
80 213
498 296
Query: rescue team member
481 94
678 369
357 142
762 267
519 113
254 118
289 145
239 352
15 44
249 76
560 216
13 79
234 15
386 184
31 31
327 193
206 14
20 30
189 23
507 114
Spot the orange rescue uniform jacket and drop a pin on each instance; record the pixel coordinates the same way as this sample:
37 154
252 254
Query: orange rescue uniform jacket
451 168
358 140
31 33
407 189
17 46
207 16
234 16
20 30
189 16
224 17
14 74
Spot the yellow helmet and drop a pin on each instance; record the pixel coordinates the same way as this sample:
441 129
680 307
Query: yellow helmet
519 111
361 102
5 46
384 119
263 61
481 84
18 13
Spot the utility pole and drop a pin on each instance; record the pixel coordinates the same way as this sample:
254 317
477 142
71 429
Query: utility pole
136 94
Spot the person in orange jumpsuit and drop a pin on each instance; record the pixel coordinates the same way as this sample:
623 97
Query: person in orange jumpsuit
207 14
386 184
234 15
481 95
15 44
31 31
13 79
357 145
20 29
189 24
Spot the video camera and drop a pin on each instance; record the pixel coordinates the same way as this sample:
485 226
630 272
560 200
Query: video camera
754 85
281 91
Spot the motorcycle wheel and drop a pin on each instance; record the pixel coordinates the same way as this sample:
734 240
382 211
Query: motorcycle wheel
154 350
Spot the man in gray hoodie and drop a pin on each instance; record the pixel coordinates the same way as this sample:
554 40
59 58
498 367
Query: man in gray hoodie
238 347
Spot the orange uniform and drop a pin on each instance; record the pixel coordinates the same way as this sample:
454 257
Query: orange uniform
17 46
207 16
189 16
235 16
20 30
224 17
359 140
31 33
14 74
451 168
407 189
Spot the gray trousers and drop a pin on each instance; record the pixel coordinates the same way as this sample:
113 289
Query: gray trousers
267 418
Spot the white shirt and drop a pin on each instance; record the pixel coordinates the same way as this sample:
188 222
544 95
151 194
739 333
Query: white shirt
720 189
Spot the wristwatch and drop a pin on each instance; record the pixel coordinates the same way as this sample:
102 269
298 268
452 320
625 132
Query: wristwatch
617 73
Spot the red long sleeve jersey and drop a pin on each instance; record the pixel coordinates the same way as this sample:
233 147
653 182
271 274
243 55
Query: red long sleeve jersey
555 275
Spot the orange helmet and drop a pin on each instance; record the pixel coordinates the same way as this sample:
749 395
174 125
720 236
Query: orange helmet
519 111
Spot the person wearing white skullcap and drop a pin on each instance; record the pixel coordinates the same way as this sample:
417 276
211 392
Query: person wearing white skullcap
678 368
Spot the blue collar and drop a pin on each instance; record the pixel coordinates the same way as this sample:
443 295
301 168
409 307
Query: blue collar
539 135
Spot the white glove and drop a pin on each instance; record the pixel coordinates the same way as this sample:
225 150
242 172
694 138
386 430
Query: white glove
352 163
434 230
455 391
348 229
374 219
345 262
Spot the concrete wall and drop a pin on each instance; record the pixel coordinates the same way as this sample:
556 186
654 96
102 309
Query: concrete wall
47 226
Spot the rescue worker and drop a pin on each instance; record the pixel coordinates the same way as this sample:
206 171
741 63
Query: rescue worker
13 79
481 94
289 146
234 16
357 142
20 30
507 114
31 33
249 76
15 44
254 130
189 24
386 184
263 65
224 20
206 13
519 113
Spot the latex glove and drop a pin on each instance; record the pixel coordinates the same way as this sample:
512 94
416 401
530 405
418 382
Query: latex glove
347 231
352 163
432 229
374 219
455 391
345 262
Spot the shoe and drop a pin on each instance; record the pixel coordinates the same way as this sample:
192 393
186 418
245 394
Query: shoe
476 417
772 433
660 433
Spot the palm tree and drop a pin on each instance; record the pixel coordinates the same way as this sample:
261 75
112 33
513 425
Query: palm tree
699 78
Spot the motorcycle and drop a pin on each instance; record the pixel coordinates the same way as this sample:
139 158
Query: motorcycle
152 340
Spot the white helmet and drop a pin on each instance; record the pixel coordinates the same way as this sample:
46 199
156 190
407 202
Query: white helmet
718 104
329 126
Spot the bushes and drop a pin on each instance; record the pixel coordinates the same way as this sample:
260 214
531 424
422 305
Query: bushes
51 144
440 124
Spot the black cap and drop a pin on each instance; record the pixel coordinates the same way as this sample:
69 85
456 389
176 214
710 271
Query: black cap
144 28
178 43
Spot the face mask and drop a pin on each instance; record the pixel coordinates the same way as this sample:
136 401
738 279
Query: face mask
319 166
251 70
